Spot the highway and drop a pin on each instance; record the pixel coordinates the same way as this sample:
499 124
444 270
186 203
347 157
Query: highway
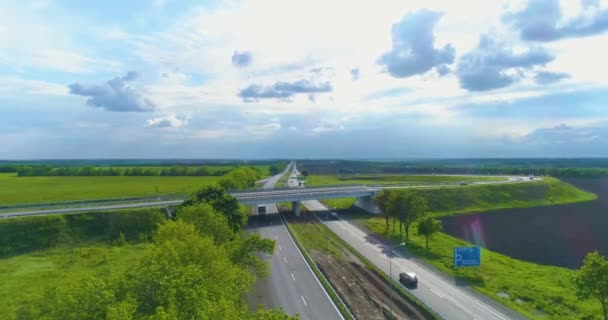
437 290
291 284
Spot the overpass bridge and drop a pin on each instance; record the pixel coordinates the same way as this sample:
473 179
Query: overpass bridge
364 195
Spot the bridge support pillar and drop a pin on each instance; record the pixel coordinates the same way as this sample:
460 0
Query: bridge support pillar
367 203
295 206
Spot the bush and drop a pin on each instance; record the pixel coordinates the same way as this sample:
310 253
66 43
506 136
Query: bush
22 235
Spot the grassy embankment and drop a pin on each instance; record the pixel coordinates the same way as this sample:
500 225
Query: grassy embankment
37 253
537 291
330 179
478 198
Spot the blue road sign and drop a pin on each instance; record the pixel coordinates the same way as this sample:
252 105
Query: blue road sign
467 257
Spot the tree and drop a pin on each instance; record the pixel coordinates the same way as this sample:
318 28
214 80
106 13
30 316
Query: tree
417 207
399 208
221 202
304 173
592 280
207 221
381 199
428 226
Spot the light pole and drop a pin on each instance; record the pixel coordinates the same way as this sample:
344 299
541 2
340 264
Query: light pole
390 274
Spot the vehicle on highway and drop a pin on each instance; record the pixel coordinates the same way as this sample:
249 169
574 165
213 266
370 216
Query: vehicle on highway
409 279
261 209
334 215
463 183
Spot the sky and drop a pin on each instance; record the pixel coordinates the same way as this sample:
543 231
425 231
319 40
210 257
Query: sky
303 79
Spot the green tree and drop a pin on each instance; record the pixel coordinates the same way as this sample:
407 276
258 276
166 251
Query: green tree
272 314
304 173
381 199
592 280
221 202
207 221
428 226
399 208
417 207
246 250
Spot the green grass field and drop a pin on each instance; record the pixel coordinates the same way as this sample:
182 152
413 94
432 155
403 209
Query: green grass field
537 291
24 278
330 179
477 198
15 189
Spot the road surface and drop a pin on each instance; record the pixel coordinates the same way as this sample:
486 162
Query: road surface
436 290
291 284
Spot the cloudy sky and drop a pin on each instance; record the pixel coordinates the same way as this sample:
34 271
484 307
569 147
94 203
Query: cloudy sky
314 78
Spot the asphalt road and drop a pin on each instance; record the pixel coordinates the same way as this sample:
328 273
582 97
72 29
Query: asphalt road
291 284
438 291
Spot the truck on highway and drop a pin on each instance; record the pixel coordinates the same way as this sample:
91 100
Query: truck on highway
261 209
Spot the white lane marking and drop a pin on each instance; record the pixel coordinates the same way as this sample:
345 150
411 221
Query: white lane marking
280 248
283 221
437 293
285 259
304 300
294 278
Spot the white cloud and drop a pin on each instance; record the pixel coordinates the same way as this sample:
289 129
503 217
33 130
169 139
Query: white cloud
167 121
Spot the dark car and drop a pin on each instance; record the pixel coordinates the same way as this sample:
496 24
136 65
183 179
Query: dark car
409 279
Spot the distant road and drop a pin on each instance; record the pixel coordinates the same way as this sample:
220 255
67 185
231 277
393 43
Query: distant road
291 284
440 292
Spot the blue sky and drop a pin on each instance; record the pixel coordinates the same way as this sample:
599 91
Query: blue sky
261 78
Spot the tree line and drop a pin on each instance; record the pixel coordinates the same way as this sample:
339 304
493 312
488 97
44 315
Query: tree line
240 178
199 265
408 209
40 171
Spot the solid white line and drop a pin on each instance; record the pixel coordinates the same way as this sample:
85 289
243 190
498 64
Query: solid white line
294 278
304 300
310 269
435 292
285 259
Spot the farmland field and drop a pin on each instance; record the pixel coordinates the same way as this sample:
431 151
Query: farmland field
15 189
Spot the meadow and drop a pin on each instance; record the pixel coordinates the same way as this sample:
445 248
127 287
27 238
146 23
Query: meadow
15 189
